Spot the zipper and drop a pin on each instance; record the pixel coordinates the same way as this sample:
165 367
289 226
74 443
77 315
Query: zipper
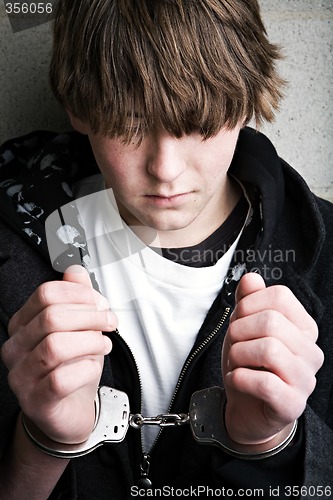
195 353
188 362
144 481
139 379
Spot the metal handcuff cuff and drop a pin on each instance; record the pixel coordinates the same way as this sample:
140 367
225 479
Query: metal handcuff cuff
113 419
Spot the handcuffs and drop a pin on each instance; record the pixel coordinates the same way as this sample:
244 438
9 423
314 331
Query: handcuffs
113 418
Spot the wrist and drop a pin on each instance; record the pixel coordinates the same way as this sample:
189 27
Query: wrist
249 432
25 450
111 424
207 412
25 471
277 441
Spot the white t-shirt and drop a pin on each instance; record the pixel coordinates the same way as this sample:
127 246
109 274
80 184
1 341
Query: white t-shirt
160 304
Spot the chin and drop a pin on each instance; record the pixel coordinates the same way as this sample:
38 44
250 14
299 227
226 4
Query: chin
165 226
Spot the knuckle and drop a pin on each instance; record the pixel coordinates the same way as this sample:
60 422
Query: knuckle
304 379
13 324
96 368
320 358
282 293
232 332
312 384
270 321
297 405
313 328
6 351
234 380
242 308
14 382
56 384
10 352
50 319
232 356
271 349
101 302
264 387
106 320
49 354
44 293
282 296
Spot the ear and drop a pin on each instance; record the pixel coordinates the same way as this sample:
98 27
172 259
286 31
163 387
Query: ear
77 124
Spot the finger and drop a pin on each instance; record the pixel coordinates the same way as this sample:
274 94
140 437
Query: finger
56 292
282 401
77 274
65 318
273 324
68 378
281 299
249 283
59 395
63 347
273 356
54 349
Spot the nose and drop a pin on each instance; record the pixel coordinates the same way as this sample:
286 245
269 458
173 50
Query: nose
166 161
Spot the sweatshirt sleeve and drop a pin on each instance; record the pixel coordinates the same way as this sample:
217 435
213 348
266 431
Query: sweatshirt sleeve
318 460
9 408
303 470
263 476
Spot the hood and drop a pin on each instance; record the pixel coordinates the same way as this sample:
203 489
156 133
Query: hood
37 172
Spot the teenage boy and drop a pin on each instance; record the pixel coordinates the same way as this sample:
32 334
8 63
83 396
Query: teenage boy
166 198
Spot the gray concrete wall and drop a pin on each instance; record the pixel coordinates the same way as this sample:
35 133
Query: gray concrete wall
302 132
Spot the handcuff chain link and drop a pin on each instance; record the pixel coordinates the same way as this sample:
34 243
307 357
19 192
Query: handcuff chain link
164 420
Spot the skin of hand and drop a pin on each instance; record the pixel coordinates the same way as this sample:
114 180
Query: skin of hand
55 355
269 362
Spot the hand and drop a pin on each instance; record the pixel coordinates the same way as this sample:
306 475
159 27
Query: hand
55 355
269 362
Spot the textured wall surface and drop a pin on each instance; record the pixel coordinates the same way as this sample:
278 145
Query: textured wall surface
302 132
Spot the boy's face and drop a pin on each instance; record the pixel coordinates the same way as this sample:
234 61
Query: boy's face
179 187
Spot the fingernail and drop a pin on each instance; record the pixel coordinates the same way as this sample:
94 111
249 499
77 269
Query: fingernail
108 344
102 303
111 319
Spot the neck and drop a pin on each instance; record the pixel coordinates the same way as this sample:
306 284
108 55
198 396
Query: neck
210 219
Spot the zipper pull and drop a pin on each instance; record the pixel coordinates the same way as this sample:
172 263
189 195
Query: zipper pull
144 481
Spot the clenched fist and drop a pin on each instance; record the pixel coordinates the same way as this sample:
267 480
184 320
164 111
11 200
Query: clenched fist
55 355
269 362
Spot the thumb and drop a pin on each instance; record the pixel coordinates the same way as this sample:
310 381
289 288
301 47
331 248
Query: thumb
249 283
77 274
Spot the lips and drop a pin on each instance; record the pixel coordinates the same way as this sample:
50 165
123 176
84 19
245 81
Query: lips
167 199
166 195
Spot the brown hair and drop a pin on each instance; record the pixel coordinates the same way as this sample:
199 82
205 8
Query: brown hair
125 66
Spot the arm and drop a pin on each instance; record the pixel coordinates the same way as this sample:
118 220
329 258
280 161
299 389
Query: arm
55 357
26 471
